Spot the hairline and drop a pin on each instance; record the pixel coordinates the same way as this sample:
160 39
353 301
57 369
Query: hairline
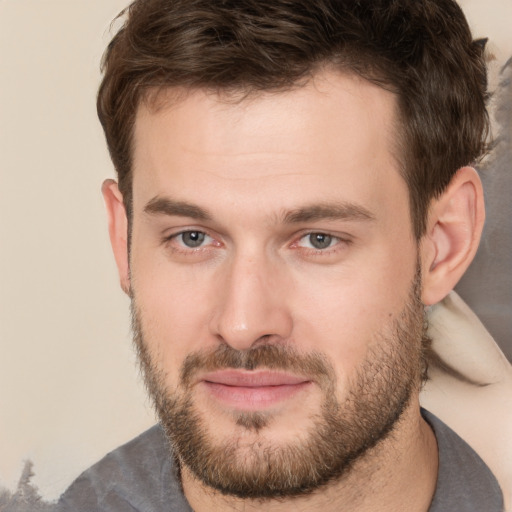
164 96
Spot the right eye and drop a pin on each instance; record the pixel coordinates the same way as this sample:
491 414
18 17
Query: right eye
318 241
192 239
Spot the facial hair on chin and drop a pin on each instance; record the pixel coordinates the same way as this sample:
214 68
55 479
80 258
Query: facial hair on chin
339 434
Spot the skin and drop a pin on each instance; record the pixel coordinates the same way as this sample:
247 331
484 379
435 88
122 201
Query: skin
249 175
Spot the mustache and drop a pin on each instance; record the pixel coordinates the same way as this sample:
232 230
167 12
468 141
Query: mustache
313 365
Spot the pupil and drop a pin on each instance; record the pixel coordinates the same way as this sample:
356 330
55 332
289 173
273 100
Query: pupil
320 241
193 238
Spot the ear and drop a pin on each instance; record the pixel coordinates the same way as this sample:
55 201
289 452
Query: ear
118 230
454 227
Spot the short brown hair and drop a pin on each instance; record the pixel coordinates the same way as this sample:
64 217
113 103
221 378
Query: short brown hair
422 50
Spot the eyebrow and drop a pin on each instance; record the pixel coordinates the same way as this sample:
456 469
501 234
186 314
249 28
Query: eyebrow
311 213
167 206
328 211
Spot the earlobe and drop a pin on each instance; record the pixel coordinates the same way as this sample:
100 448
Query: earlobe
453 233
118 230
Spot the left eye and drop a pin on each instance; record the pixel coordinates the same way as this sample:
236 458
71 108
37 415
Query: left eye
318 241
192 239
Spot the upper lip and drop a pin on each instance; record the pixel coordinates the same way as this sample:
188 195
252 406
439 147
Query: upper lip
256 378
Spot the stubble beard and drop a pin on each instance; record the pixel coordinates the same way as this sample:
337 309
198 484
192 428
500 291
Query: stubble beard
340 433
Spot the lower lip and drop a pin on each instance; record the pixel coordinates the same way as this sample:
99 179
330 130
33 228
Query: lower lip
254 398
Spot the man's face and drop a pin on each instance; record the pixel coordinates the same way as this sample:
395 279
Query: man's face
274 281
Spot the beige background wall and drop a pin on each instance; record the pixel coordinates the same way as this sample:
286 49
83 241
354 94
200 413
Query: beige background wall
69 388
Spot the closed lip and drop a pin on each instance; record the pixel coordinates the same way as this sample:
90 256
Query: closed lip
253 379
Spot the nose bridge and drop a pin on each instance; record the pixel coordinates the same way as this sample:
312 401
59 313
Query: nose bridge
251 304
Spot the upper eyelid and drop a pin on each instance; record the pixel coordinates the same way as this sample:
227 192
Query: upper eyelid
342 241
335 239
181 246
170 233
343 237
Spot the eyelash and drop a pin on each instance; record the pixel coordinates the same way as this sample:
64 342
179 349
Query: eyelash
338 243
182 248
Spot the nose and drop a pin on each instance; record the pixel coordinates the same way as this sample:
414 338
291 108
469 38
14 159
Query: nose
251 306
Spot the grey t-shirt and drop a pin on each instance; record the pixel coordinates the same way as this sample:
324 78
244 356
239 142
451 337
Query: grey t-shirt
140 477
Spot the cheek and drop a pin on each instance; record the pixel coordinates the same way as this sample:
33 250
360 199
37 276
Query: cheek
341 313
174 312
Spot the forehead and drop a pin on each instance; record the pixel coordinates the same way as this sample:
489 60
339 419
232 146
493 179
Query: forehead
333 136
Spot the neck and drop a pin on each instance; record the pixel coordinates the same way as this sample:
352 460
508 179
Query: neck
398 474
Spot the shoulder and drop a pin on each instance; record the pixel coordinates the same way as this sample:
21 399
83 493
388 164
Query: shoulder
464 482
138 476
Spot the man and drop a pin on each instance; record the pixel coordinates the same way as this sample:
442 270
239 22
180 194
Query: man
293 191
